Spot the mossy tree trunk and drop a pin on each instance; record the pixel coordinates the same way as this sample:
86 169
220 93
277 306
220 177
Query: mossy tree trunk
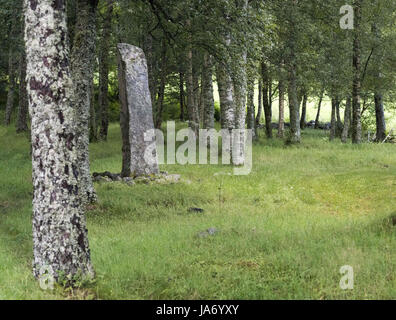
82 66
60 242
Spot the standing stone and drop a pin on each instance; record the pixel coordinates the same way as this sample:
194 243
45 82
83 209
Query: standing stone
136 112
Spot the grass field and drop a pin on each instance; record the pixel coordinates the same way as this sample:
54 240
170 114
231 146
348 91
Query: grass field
284 230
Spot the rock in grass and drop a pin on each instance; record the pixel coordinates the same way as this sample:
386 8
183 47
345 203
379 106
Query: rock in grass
212 231
207 233
129 181
172 177
162 178
143 179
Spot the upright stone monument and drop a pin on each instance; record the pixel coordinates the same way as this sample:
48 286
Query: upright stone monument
136 113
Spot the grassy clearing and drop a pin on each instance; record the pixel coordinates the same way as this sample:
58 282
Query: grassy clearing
285 230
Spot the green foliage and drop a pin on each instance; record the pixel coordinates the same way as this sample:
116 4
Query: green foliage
114 111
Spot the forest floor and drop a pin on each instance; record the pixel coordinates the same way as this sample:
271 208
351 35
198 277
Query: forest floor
284 231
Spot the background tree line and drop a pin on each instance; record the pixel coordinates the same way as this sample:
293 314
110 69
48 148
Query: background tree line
291 50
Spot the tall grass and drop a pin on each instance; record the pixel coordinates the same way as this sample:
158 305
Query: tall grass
284 231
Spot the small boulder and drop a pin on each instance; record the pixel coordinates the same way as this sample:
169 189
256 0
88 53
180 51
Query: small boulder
207 233
143 179
172 177
129 181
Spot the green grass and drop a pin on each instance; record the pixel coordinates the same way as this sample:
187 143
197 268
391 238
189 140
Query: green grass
285 230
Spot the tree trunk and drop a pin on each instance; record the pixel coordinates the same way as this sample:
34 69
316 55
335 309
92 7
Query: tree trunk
339 127
148 44
295 131
104 71
159 102
196 89
303 119
260 103
21 124
318 113
378 98
333 119
14 36
379 117
93 129
181 95
207 89
250 107
192 108
226 94
281 123
266 98
270 96
356 122
11 88
240 90
60 239
347 120
82 66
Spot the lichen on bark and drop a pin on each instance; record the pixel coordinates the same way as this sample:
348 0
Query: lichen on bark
60 242
82 65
